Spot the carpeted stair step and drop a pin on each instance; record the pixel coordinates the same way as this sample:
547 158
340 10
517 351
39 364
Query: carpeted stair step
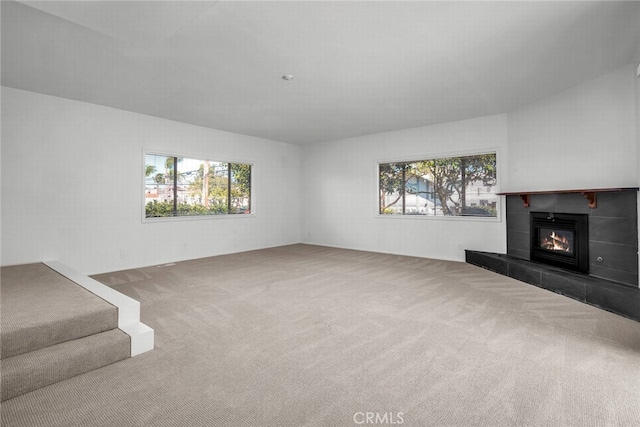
29 371
41 308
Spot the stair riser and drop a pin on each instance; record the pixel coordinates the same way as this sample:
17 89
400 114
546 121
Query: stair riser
37 337
30 371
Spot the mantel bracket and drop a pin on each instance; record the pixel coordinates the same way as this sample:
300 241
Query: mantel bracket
591 197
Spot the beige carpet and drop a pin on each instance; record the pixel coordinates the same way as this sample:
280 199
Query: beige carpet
31 318
312 336
52 329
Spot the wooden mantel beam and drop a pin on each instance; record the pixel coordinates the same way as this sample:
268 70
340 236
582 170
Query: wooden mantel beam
590 195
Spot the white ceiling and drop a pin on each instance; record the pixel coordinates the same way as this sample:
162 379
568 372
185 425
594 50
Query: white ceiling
360 67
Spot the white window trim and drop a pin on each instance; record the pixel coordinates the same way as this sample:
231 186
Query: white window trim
440 155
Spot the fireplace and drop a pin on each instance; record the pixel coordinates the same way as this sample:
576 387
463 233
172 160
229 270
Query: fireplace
561 240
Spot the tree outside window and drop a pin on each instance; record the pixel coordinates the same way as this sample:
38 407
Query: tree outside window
448 186
192 187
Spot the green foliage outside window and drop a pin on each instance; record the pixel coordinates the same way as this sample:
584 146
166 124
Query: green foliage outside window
178 186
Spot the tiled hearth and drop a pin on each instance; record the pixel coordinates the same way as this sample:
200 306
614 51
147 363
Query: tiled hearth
606 294
612 282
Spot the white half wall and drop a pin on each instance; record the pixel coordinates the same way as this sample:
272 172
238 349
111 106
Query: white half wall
340 192
581 138
141 336
72 187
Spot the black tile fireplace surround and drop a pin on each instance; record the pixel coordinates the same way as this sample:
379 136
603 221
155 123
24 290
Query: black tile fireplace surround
610 279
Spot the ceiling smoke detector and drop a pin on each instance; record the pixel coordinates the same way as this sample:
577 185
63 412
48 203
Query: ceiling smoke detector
287 77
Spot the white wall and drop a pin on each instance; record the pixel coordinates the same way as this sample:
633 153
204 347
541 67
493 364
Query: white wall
637 112
637 80
594 127
591 129
72 187
71 178
340 197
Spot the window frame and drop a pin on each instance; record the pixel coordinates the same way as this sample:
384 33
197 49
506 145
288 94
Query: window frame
155 220
433 156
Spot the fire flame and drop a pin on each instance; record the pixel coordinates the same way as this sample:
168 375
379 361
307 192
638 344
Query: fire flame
556 242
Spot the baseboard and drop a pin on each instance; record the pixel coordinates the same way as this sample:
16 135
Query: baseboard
407 254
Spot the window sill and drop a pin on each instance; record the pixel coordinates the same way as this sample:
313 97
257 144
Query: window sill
464 218
163 219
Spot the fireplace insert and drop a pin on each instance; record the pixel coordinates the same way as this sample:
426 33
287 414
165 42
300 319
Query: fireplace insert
560 239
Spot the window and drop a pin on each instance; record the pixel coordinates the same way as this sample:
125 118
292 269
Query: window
180 186
449 186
